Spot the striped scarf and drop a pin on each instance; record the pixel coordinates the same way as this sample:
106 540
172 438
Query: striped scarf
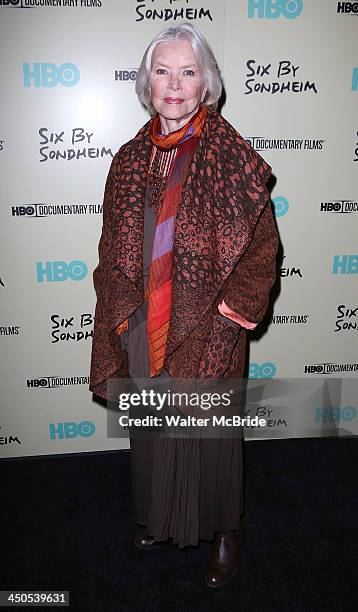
173 161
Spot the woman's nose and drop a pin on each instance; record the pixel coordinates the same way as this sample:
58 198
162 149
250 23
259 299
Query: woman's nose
174 81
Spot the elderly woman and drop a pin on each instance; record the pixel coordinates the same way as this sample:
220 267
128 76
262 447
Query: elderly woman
186 263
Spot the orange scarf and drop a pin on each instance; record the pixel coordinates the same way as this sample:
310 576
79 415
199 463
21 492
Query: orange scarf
159 288
167 141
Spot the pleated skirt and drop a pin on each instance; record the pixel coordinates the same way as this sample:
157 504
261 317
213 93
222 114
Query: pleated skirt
183 488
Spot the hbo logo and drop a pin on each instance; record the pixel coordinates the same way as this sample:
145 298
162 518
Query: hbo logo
314 369
281 206
272 9
72 430
335 414
23 211
37 382
49 75
345 264
125 75
263 370
60 271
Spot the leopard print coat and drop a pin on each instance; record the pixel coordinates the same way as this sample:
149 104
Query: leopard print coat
225 247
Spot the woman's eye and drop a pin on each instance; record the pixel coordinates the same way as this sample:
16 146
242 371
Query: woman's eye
189 72
160 71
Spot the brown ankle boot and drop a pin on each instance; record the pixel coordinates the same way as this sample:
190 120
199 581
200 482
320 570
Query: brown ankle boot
224 558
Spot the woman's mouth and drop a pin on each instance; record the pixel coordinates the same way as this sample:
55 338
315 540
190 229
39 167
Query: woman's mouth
173 100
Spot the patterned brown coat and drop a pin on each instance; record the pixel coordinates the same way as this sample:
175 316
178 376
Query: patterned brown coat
225 247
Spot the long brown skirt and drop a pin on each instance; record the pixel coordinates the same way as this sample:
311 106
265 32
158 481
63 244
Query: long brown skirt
187 489
183 488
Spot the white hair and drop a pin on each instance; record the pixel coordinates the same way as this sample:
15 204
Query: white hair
204 58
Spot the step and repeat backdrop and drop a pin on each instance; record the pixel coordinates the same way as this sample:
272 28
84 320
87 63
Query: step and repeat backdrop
290 71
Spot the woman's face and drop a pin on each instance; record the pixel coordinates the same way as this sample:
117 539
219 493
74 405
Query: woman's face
176 83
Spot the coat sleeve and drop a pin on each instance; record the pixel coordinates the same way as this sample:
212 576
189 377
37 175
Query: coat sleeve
247 290
104 357
100 274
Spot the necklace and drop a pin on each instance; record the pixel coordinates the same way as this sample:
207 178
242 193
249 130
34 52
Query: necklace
160 167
